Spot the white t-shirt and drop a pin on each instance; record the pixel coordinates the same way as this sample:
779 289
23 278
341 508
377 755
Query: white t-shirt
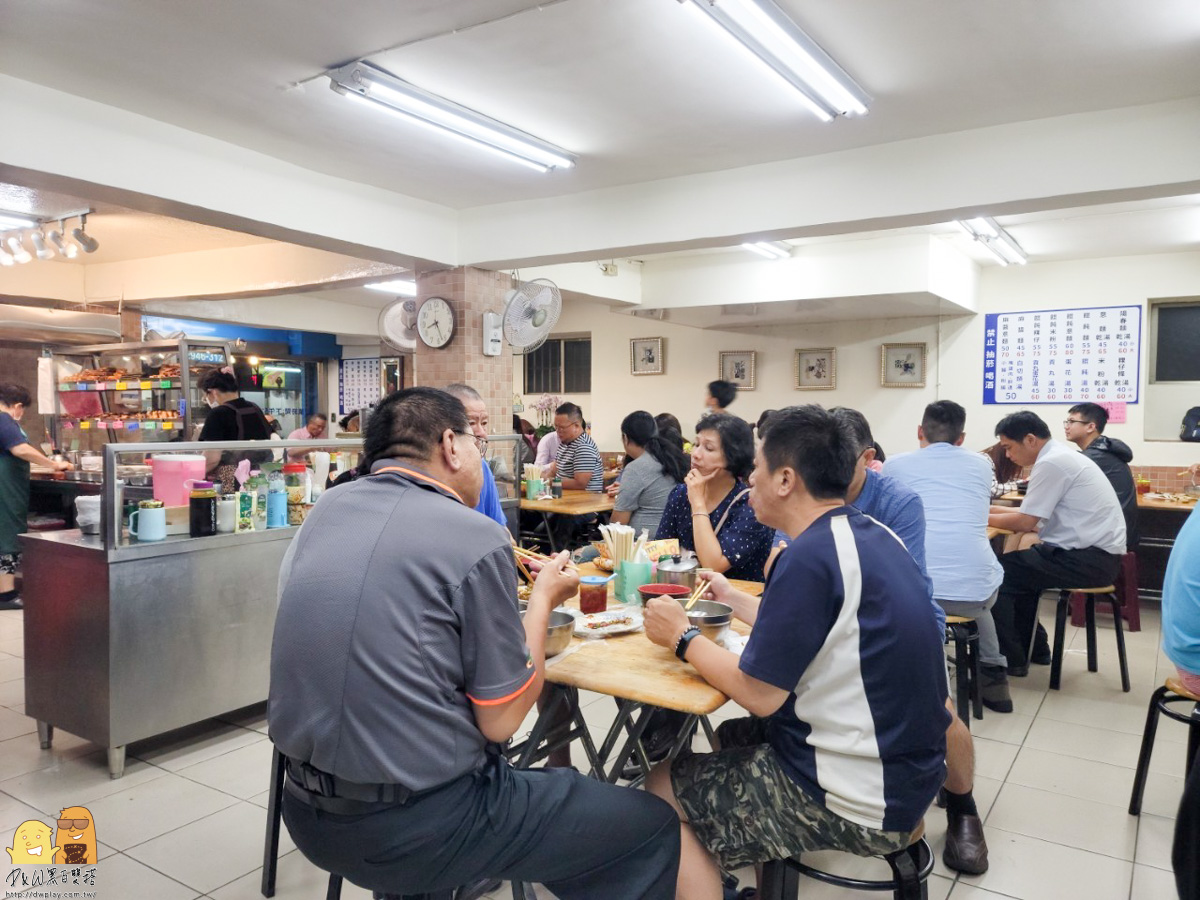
1075 501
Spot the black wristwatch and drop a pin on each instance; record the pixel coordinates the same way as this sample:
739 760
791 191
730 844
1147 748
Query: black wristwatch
684 640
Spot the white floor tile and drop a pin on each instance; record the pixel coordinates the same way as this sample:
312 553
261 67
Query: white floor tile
11 668
23 754
120 876
1150 883
243 772
1009 728
993 759
253 717
213 851
1084 742
13 812
1073 777
13 646
131 817
1033 869
1057 818
964 891
196 743
12 693
1065 707
13 724
76 782
1155 835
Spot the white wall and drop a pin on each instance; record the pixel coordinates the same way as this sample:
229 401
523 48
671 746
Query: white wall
955 362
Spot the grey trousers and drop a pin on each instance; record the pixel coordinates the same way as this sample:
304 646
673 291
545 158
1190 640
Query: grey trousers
989 641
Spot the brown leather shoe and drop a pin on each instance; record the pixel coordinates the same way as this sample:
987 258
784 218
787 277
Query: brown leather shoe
966 848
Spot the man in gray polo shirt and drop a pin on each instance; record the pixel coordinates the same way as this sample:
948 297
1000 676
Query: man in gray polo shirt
399 662
1073 507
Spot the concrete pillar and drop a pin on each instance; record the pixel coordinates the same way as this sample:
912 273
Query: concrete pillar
470 292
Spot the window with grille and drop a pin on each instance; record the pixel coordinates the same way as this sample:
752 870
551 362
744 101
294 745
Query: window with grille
560 366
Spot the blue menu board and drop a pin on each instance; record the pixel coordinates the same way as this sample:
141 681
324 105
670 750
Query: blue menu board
1063 355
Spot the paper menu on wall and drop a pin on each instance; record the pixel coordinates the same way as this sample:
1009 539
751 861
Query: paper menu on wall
1063 355
358 383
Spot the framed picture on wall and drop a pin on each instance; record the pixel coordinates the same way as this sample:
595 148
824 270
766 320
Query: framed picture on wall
816 369
902 365
738 366
646 356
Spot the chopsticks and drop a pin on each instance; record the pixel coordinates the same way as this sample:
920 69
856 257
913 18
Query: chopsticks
521 568
539 557
696 594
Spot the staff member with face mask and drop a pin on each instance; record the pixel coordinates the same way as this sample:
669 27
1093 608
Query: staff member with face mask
16 453
230 419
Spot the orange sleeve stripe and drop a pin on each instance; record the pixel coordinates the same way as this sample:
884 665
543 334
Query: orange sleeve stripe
499 701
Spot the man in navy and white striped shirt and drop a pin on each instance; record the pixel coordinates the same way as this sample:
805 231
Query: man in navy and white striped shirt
578 462
844 667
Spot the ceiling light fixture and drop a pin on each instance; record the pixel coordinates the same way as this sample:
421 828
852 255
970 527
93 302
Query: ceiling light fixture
39 245
13 221
365 83
19 253
995 239
64 248
86 242
779 43
400 288
769 249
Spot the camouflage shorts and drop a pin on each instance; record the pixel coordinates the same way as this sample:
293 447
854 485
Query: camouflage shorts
746 809
9 563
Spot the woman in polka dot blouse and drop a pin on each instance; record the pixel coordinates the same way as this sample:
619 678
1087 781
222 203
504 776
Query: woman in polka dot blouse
710 512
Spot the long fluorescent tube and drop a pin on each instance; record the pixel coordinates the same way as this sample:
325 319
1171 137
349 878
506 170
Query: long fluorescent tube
779 43
402 288
364 82
995 239
769 249
11 221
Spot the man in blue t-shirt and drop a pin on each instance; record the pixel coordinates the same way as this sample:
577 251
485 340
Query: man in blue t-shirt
477 415
844 664
899 508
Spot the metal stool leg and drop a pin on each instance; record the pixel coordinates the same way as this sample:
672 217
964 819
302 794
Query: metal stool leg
906 870
961 675
334 890
1116 605
779 881
274 824
976 689
1089 618
1143 765
1060 635
1193 743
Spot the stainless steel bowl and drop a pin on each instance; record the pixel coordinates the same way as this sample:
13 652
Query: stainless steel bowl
559 631
711 617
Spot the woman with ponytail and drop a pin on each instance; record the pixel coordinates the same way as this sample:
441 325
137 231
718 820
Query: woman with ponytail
656 465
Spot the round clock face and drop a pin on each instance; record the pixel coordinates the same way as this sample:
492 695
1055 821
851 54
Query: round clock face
435 322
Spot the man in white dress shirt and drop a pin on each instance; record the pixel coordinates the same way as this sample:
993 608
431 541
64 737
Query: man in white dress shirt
1073 507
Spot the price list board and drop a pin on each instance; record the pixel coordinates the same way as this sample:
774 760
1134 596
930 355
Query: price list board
1063 356
358 383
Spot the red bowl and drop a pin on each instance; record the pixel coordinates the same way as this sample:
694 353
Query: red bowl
663 590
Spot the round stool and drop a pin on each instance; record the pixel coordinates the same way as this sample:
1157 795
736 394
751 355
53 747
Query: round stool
1171 692
910 869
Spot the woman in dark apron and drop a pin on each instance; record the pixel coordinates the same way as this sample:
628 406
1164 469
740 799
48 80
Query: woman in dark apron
231 419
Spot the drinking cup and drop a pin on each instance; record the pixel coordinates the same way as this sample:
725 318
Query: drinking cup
148 524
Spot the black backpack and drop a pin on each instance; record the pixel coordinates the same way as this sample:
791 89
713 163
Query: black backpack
1189 430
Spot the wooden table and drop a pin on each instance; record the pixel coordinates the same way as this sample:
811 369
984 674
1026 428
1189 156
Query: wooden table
571 503
640 675
1144 501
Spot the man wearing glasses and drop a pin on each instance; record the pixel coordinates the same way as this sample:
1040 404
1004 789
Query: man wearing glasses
578 463
477 416
1084 427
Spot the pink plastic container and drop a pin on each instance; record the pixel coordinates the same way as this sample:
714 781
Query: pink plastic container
173 476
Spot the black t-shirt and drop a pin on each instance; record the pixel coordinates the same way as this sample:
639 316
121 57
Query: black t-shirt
222 425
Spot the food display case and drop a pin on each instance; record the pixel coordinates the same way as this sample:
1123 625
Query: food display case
126 638
133 392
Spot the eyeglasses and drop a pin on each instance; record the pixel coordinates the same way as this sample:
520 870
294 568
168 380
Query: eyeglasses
480 443
1074 422
73 824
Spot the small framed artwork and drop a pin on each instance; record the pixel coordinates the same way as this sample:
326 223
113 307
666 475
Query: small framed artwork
902 365
816 369
738 366
646 356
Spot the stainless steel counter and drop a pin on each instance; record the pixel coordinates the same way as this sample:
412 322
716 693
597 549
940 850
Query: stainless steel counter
126 643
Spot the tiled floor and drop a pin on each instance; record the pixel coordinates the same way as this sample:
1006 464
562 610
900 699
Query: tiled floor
1053 782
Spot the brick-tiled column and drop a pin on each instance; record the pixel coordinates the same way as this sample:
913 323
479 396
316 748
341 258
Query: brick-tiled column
470 293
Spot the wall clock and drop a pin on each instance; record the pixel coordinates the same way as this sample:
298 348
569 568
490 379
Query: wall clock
435 322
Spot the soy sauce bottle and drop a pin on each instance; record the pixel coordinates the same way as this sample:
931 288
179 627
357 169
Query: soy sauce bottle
202 509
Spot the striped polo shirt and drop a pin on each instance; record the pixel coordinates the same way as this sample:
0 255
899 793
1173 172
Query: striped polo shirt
579 456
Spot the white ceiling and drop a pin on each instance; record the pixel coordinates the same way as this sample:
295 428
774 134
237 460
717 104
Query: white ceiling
640 89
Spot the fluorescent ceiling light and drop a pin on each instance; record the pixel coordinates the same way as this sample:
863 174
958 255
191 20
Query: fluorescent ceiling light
11 221
402 288
779 43
364 82
995 239
769 249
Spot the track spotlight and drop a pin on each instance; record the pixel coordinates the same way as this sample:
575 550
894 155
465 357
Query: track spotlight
5 258
64 248
39 245
86 242
19 253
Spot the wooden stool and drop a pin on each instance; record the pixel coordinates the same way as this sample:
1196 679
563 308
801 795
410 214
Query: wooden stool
1089 595
910 869
1127 588
968 697
1171 692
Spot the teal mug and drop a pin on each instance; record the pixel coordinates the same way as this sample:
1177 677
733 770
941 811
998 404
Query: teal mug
148 524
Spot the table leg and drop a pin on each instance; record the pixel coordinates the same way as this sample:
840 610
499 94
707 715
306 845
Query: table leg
45 734
116 761
550 533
